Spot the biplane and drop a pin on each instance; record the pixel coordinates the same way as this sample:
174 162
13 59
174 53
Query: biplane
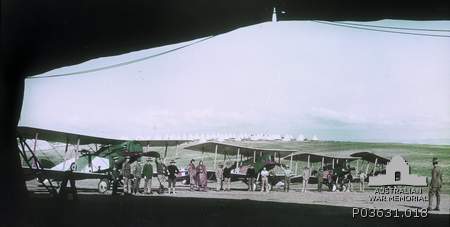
82 163
240 158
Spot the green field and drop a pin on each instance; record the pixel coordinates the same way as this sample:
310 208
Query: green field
419 156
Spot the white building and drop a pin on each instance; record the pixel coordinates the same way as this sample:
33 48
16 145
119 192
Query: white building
397 173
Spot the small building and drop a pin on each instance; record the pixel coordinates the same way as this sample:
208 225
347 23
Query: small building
397 173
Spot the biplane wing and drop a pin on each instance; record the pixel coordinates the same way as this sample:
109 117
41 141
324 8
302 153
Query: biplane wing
371 157
232 149
59 175
74 138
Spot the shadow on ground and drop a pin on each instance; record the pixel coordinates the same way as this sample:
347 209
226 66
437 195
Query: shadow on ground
95 210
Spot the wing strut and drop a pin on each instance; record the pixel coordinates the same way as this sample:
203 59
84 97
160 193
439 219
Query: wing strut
36 170
215 156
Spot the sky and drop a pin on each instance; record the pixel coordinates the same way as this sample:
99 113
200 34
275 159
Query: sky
288 77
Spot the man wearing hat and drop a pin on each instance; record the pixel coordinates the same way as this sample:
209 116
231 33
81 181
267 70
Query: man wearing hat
137 173
251 176
173 171
219 176
115 174
306 176
126 172
435 185
161 172
147 173
227 177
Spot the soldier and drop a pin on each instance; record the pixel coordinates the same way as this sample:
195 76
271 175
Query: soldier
126 173
115 175
161 172
147 173
192 174
173 171
319 179
287 178
435 185
306 175
137 174
227 177
264 180
251 175
362 178
219 176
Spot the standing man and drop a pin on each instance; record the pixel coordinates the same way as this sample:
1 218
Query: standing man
219 176
264 180
147 173
319 179
362 178
126 173
192 174
287 178
251 175
227 177
161 172
435 185
137 173
306 175
173 171
115 175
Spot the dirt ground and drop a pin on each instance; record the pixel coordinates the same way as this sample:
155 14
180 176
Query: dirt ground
354 199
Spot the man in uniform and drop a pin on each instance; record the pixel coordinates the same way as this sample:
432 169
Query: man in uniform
147 173
251 175
264 180
115 175
435 185
161 172
362 178
227 177
287 178
173 171
306 175
319 179
219 176
192 174
137 174
126 172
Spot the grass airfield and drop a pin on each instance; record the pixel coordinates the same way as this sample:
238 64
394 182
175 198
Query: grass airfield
419 156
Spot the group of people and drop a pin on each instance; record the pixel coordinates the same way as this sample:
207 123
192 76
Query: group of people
198 176
133 172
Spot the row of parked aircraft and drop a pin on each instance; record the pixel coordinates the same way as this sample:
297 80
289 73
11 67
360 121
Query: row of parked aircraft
97 163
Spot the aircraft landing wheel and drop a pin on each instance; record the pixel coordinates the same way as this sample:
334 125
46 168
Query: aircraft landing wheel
103 186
